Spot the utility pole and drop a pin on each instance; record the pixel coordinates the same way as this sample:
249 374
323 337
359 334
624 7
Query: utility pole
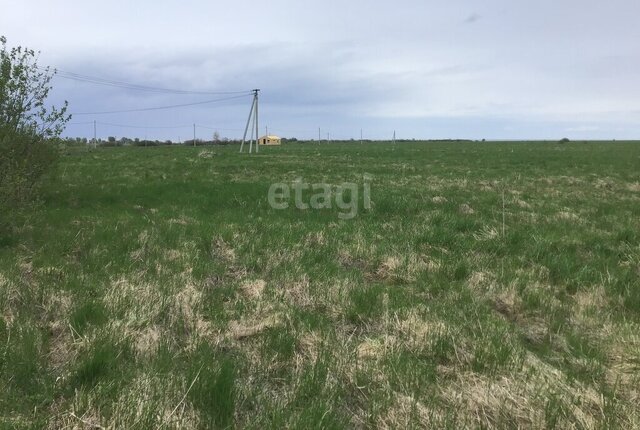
194 135
318 134
244 136
328 141
394 137
252 131
253 112
360 136
95 141
257 136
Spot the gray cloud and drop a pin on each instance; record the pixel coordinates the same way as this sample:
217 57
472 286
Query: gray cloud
474 17
536 70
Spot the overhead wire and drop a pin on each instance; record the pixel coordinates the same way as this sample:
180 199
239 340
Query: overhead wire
143 126
130 86
127 85
211 127
80 123
155 127
161 107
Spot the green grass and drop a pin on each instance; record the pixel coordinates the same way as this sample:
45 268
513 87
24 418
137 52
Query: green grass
156 287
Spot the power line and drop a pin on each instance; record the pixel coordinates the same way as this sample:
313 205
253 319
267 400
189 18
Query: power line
79 123
211 127
163 127
143 126
161 107
309 131
208 127
130 86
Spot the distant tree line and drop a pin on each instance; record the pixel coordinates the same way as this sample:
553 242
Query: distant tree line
126 141
113 141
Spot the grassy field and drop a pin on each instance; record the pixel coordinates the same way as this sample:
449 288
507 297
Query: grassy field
490 284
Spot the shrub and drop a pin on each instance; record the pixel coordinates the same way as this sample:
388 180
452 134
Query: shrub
24 158
29 129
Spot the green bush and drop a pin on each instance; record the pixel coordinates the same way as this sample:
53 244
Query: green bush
28 128
24 159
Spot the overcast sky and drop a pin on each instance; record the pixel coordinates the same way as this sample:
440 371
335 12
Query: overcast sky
542 69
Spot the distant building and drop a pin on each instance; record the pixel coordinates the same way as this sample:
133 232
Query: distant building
269 140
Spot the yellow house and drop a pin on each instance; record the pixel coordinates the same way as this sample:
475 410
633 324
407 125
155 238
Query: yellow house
269 140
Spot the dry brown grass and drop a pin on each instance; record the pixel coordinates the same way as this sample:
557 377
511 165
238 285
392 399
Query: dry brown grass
487 233
141 307
522 204
514 400
388 267
634 187
182 220
416 331
347 260
567 215
623 356
64 339
297 292
147 400
252 326
222 250
253 289
506 302
206 154
317 238
309 345
147 341
376 348
466 209
589 309
407 412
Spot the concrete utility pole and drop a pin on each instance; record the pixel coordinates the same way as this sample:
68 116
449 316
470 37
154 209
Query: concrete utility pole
253 113
244 136
360 136
95 141
252 131
394 137
194 135
318 134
